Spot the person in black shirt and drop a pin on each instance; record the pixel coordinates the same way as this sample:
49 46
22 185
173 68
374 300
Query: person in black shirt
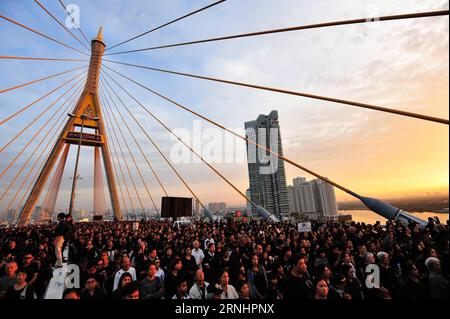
211 263
151 286
273 292
21 289
60 232
170 282
31 268
68 236
352 286
298 282
124 280
189 266
414 287
92 289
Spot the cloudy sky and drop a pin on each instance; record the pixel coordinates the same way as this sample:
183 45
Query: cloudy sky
397 64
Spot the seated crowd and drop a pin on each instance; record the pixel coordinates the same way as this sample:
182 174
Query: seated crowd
245 260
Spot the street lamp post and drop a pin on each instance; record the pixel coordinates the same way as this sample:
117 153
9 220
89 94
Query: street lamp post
75 173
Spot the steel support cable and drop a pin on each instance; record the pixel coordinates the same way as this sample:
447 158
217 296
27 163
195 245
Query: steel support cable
39 80
185 144
296 28
114 164
25 147
38 99
61 24
73 20
72 96
246 139
39 116
120 167
112 133
165 158
115 170
296 93
126 163
33 179
132 156
14 57
131 132
168 23
41 34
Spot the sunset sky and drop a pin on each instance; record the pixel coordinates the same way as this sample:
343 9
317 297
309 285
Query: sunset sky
397 64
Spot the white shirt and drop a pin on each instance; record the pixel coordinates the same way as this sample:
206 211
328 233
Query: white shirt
185 297
195 293
230 294
160 273
131 271
198 255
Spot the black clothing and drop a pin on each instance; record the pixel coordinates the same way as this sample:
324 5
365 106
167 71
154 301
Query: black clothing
99 293
296 287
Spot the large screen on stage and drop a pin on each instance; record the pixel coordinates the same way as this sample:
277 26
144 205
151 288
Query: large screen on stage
176 207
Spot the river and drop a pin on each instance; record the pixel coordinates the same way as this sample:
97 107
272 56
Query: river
370 217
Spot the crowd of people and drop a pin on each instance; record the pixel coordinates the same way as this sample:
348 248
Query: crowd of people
229 260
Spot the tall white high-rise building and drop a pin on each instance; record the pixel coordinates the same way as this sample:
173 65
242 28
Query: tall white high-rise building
266 172
301 197
298 180
325 198
316 196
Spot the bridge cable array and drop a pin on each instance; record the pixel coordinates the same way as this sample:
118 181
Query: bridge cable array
295 28
113 121
168 23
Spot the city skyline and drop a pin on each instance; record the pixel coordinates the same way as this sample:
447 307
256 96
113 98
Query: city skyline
401 157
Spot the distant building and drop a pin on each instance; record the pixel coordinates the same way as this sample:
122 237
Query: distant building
266 172
325 198
217 207
301 198
196 208
298 181
315 198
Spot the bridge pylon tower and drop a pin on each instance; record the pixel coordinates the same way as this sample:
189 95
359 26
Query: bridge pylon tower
88 107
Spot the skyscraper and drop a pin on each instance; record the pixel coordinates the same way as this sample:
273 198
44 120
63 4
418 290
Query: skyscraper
298 181
316 196
325 198
266 172
301 197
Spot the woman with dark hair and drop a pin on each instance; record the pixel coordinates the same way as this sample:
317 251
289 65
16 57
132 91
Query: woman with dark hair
229 292
245 291
170 282
189 266
21 289
324 272
320 289
257 279
124 280
353 286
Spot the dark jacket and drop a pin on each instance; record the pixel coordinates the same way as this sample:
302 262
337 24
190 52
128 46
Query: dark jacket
99 293
61 229
152 289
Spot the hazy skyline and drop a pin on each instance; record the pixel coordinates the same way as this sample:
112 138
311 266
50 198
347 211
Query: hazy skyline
398 64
